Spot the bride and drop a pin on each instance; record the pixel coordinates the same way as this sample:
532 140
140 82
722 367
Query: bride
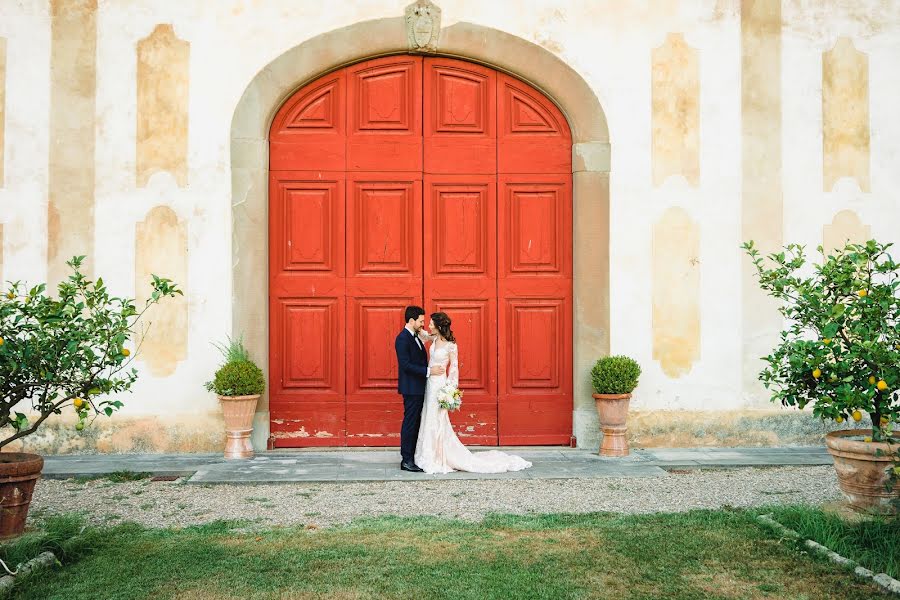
438 450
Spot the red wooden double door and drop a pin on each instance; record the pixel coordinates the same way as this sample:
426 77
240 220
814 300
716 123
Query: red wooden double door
430 181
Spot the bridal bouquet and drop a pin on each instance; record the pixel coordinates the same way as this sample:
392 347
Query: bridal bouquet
450 397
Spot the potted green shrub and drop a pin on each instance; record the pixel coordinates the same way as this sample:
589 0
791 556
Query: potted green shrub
613 379
840 353
59 353
238 383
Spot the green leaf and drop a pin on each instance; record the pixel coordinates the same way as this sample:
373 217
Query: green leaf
20 422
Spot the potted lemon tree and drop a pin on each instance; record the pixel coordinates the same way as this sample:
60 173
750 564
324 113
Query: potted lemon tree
238 383
840 353
613 379
58 354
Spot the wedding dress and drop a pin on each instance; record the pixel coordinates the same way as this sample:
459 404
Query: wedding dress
438 450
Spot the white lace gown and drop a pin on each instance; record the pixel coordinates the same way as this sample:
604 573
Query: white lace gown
438 450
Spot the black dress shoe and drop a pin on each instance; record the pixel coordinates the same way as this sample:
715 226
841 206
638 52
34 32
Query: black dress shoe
412 467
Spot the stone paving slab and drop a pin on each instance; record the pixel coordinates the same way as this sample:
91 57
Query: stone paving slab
382 464
88 465
378 465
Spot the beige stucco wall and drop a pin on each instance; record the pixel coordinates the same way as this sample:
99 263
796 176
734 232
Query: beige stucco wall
758 141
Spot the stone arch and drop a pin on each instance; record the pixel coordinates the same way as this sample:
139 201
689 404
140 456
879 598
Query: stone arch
368 39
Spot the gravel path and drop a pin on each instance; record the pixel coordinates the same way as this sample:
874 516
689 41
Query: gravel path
176 504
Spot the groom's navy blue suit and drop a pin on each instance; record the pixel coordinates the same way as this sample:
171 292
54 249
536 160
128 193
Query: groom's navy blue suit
412 361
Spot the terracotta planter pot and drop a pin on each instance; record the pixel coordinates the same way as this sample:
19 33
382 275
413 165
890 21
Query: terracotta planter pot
18 474
238 412
613 411
861 474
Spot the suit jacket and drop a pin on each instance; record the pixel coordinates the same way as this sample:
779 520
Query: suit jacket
413 364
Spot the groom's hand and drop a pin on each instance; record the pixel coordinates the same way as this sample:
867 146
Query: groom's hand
438 370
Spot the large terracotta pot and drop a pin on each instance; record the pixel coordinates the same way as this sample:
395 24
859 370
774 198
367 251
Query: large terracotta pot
862 474
18 474
613 411
238 412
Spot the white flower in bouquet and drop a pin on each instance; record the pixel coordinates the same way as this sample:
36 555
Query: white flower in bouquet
450 397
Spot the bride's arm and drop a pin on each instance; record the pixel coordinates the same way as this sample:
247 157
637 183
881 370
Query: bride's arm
425 337
453 370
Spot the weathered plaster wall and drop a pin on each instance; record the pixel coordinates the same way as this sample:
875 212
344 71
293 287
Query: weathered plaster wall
71 166
2 104
163 80
25 27
161 247
762 198
742 100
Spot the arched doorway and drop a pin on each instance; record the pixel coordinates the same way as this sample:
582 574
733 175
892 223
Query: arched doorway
431 181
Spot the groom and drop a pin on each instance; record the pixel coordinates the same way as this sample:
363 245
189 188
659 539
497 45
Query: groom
412 362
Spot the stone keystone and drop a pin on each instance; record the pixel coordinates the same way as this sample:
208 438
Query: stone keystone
423 26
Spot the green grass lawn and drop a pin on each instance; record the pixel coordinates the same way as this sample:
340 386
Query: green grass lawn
698 555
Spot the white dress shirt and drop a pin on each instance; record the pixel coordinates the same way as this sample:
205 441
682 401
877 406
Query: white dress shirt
419 343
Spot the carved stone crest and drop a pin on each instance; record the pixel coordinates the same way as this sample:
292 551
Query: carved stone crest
423 26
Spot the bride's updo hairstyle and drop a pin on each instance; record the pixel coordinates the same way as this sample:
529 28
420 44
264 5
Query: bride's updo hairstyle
442 322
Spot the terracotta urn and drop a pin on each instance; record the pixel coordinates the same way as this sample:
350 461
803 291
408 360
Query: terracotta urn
613 411
863 471
238 412
18 474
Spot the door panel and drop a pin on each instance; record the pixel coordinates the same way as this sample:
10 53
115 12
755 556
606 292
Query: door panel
309 132
384 97
384 216
532 134
461 280
534 405
384 275
306 308
535 285
460 117
535 214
